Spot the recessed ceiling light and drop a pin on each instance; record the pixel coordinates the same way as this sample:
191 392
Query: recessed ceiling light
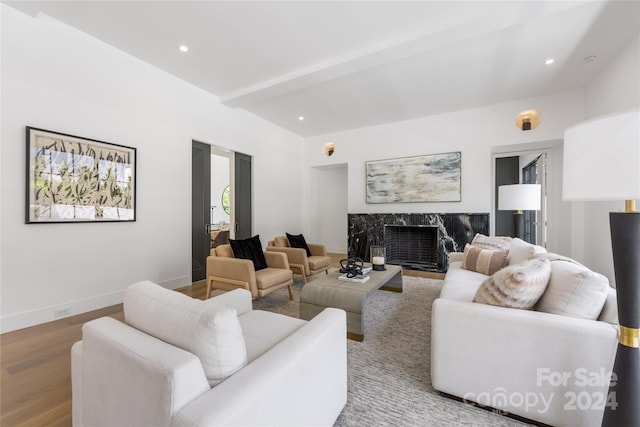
183 49
549 61
300 118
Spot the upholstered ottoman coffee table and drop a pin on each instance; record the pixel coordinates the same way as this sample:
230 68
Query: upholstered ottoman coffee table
328 291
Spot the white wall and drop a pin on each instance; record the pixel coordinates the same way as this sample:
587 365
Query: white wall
57 78
616 88
327 221
473 132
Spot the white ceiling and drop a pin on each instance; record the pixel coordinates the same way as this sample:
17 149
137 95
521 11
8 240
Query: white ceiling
350 64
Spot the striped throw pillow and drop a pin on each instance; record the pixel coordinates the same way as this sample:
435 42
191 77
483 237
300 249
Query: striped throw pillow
516 286
485 261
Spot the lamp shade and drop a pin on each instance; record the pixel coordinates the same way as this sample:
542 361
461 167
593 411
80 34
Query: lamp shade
602 158
519 197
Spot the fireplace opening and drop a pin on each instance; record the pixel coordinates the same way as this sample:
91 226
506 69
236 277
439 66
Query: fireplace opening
412 246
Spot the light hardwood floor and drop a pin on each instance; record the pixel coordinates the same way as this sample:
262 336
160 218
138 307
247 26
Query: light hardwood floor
35 386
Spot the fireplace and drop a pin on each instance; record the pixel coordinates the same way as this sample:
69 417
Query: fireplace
451 232
412 246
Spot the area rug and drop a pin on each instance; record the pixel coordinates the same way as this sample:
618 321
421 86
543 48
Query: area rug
389 380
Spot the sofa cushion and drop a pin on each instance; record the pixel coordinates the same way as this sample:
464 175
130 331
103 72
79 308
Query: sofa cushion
298 241
210 331
250 248
263 329
460 284
485 261
573 290
516 286
521 251
502 243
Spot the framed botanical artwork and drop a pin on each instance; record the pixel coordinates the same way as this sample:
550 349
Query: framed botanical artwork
76 179
419 179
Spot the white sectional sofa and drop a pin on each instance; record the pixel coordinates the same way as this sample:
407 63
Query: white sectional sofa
550 368
179 361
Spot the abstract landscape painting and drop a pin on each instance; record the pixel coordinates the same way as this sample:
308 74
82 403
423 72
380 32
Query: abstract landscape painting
428 178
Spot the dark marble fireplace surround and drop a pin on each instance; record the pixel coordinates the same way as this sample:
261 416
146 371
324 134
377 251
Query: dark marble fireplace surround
448 232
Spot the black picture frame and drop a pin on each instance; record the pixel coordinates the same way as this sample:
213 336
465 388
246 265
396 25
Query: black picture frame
72 179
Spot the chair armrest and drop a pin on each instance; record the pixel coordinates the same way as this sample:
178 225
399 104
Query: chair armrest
131 378
238 269
272 387
515 350
294 255
276 259
238 299
317 249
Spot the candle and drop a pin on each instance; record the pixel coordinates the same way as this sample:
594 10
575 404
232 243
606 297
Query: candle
377 260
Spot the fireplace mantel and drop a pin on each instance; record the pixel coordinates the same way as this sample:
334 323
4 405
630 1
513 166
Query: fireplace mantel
454 231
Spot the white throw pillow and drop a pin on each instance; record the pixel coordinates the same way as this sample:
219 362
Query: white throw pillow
212 332
516 286
522 251
574 291
499 243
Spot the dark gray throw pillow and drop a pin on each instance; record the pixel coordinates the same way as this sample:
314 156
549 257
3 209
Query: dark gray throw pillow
249 249
298 242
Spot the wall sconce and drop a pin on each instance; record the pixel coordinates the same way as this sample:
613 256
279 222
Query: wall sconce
528 119
329 149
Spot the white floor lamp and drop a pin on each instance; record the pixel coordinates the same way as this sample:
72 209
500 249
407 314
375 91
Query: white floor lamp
518 198
602 162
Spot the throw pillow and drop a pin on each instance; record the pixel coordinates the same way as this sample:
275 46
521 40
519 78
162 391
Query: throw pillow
573 290
483 261
522 251
210 331
298 242
516 286
249 249
502 243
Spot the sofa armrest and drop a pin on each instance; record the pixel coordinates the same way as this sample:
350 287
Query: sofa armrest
317 249
238 299
276 259
300 381
513 351
455 256
127 377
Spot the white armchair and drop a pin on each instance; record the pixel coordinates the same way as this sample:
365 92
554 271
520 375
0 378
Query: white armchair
295 372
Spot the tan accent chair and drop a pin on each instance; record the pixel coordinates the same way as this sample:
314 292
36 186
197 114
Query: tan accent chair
226 272
299 262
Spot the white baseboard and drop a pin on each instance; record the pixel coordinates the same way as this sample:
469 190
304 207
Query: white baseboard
46 314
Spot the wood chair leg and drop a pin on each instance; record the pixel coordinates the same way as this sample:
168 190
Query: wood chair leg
290 293
208 294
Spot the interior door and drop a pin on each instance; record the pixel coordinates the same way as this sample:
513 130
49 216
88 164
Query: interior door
242 195
200 208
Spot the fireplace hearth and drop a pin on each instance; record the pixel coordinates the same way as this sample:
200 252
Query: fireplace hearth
422 241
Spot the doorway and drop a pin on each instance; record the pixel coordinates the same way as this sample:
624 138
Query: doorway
527 167
220 201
